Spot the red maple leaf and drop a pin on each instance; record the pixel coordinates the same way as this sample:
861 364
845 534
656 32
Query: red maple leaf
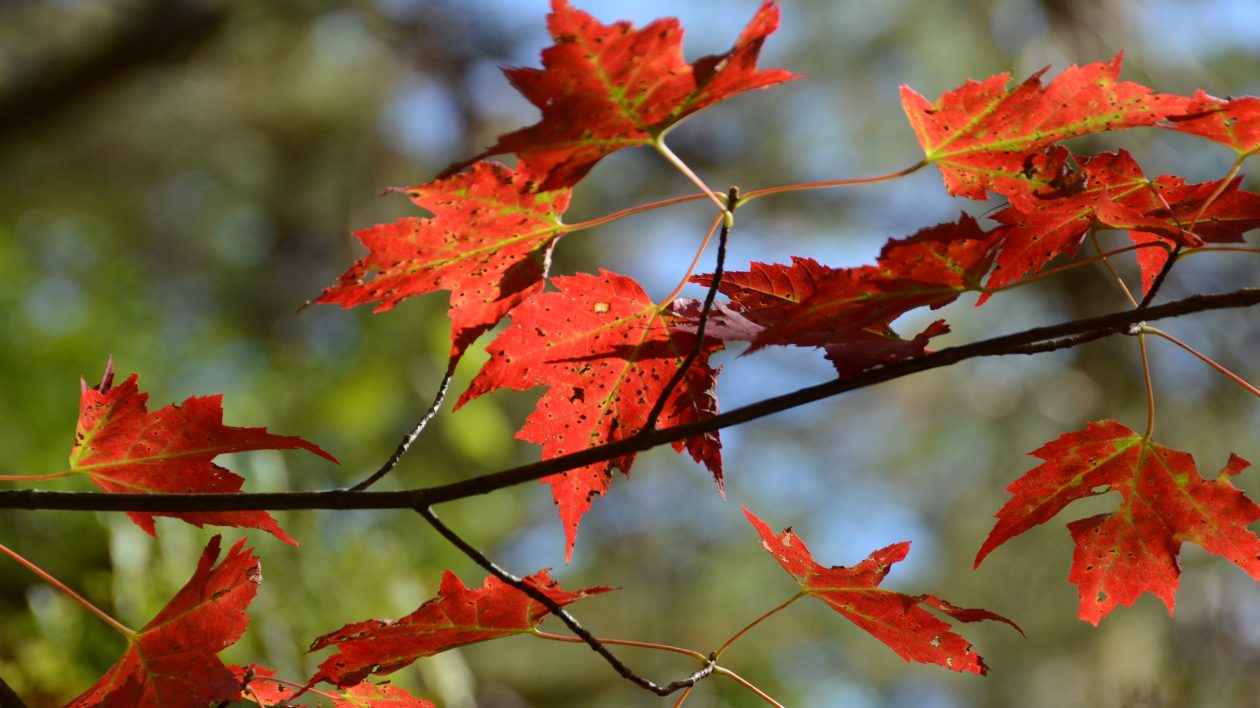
1234 122
606 352
261 688
1231 213
1135 548
173 660
982 133
457 616
123 448
488 242
1114 193
607 87
848 311
899 621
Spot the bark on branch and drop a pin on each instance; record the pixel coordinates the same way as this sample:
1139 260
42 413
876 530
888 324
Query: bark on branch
1040 339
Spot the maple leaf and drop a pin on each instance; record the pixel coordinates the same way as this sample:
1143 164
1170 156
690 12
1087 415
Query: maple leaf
897 620
1135 548
173 660
607 87
1115 194
981 134
606 352
457 616
848 311
488 243
123 448
263 690
1234 122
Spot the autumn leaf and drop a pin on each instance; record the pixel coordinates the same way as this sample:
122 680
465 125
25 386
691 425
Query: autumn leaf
123 448
457 616
848 311
1115 194
605 352
981 134
1234 122
262 688
607 87
899 621
488 243
1134 549
173 660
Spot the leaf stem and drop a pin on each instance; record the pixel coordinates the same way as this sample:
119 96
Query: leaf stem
1220 188
708 236
1150 387
747 684
600 221
102 614
623 642
676 161
411 436
1203 357
766 191
1093 237
764 616
35 477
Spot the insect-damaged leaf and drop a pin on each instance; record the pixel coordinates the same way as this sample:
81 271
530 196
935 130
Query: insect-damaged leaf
1135 548
606 352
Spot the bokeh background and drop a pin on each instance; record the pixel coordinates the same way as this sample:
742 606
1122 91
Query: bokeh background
179 177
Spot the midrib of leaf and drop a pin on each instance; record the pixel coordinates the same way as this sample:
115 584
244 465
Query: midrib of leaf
630 362
88 436
1182 486
1034 139
616 93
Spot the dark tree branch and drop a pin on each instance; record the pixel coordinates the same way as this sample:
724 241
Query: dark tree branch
410 437
732 199
162 31
9 699
569 621
1030 341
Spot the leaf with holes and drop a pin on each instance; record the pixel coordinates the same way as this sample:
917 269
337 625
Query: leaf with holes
1234 122
173 660
488 242
982 134
899 621
1134 549
123 448
607 87
605 352
457 616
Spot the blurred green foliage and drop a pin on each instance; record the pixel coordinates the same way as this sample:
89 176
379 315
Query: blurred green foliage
179 177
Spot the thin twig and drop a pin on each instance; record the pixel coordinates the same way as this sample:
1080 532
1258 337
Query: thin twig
541 597
410 437
1060 336
654 415
8 697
